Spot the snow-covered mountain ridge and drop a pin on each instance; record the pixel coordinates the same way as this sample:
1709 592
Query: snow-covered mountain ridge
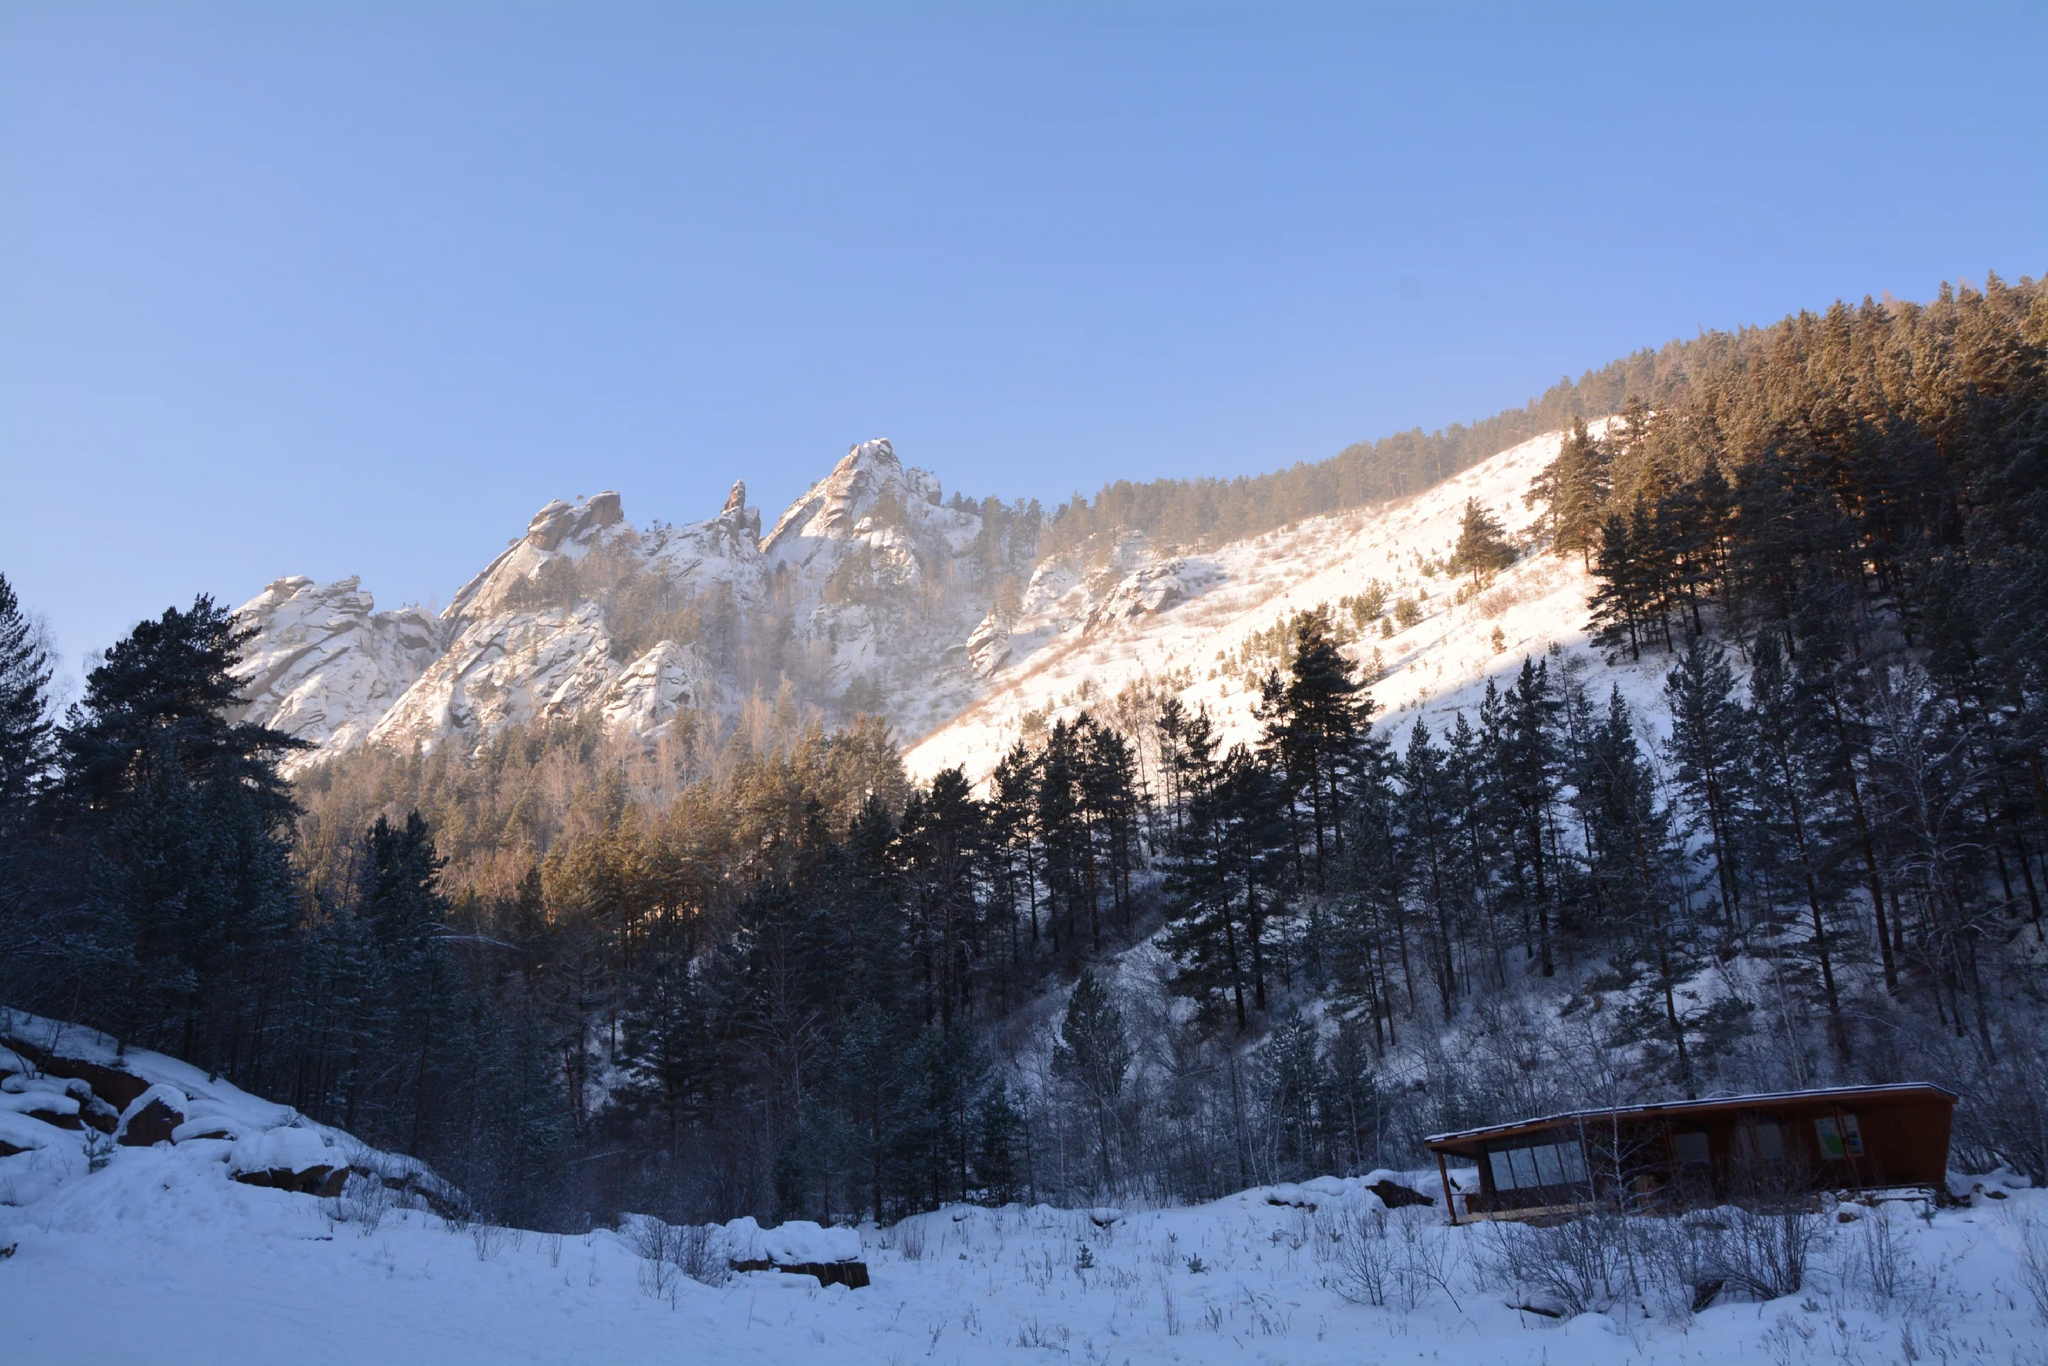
856 592
871 593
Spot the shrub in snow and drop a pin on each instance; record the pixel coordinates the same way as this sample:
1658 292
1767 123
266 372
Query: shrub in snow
1381 1257
1580 1266
1362 1254
703 1252
492 1239
1766 1251
1879 1258
2033 1264
364 1201
1686 1262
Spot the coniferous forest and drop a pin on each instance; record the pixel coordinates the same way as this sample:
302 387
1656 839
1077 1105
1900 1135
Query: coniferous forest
755 969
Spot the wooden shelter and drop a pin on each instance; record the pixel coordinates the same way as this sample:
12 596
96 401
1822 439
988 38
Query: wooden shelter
1690 1153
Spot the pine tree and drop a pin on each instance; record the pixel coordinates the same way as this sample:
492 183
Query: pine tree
403 906
1068 854
1636 858
25 730
1574 486
1793 795
1317 729
1426 818
1207 931
1524 724
995 1156
1482 548
184 822
1709 752
1292 1076
1618 599
1109 793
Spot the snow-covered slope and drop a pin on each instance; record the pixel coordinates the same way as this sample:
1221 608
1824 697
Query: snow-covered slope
164 1252
1183 624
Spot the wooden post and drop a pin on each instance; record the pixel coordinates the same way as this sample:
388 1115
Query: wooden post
1450 1200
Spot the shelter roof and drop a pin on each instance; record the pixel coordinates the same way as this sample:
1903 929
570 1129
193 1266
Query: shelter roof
1466 1141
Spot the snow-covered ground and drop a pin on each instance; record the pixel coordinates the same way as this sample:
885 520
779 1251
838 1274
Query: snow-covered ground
160 1256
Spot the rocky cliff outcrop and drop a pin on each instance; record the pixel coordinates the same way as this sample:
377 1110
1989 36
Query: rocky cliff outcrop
325 664
855 597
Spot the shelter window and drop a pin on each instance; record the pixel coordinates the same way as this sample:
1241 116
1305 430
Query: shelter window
1540 1164
1838 1139
1760 1142
1693 1153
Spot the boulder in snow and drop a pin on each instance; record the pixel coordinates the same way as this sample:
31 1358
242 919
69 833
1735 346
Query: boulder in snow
1394 1195
288 1159
20 1134
113 1085
152 1117
799 1246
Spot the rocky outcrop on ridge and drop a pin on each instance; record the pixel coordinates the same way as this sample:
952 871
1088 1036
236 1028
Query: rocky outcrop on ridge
325 664
856 597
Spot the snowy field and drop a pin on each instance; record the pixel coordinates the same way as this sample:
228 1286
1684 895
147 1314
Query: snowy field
160 1257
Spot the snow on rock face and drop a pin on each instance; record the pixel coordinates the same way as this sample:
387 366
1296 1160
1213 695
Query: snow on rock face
831 507
988 647
517 666
869 497
325 664
529 638
166 1106
654 687
1149 588
737 515
560 521
558 531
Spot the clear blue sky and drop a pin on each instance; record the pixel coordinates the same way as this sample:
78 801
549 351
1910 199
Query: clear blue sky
355 288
